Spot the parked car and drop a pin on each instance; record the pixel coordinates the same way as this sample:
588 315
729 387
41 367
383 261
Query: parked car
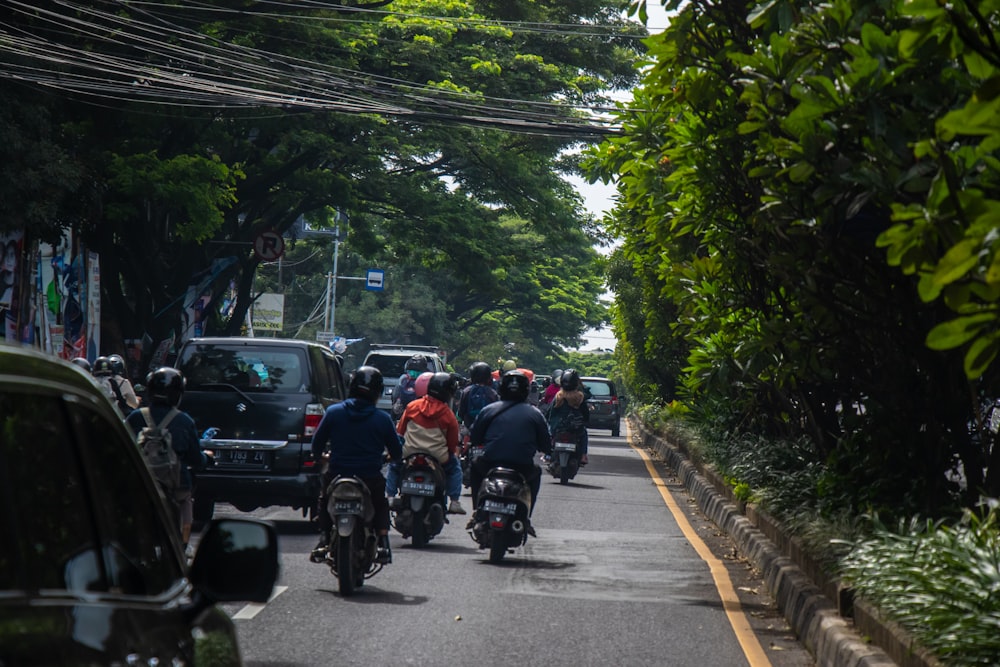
265 397
605 404
390 359
91 566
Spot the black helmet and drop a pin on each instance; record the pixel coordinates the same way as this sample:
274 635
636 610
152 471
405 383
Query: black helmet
366 383
165 386
117 364
569 380
442 386
514 386
82 363
416 363
102 366
480 372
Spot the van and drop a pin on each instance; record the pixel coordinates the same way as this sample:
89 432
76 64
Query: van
391 360
264 397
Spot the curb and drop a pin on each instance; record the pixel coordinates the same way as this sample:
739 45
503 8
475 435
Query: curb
816 620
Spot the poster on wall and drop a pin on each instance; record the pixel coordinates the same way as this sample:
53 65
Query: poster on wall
11 248
93 301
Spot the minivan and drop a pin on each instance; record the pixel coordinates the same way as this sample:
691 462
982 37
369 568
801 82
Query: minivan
605 404
263 398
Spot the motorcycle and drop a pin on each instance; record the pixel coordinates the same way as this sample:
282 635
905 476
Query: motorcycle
419 509
564 462
468 456
351 553
500 522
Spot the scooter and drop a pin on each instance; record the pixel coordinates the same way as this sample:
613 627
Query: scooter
565 459
353 542
503 505
419 509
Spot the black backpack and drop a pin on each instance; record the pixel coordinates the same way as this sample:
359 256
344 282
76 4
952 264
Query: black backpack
479 397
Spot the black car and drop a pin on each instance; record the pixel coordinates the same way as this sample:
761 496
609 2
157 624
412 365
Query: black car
91 567
605 404
264 397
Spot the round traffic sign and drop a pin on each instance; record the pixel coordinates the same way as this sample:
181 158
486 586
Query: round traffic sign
268 246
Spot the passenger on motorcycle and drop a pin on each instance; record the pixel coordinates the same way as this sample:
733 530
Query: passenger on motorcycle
406 390
569 412
357 436
429 426
512 431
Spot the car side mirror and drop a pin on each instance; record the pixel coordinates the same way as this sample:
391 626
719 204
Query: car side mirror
236 561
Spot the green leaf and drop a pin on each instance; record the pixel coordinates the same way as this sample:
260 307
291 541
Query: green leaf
955 333
957 261
980 355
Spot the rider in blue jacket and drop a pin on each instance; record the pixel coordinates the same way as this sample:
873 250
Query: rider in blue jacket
356 437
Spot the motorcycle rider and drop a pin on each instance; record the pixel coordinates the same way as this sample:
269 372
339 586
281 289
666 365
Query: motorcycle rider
569 412
550 391
428 425
118 376
164 389
478 394
357 436
512 431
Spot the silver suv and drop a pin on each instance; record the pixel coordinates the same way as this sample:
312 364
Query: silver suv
391 360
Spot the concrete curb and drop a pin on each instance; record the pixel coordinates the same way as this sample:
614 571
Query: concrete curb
812 615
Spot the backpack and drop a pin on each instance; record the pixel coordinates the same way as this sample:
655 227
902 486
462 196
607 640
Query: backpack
405 392
571 422
479 397
157 447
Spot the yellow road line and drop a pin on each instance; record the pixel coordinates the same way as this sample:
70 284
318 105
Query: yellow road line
752 649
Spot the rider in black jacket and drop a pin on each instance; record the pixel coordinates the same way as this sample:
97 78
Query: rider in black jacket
513 431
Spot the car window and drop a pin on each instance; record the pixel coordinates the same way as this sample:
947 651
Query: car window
333 370
391 366
247 368
46 518
599 389
134 536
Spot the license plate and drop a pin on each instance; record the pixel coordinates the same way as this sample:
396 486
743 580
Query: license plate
417 488
499 508
346 507
241 457
565 447
476 452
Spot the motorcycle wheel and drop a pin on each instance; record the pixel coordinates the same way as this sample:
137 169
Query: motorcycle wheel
419 529
346 578
498 547
564 475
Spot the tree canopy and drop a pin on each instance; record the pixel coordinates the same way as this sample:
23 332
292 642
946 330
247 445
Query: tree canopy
780 163
178 133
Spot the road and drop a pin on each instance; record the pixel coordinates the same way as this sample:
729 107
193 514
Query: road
624 571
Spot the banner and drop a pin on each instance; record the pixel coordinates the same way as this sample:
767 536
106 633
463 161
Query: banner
269 312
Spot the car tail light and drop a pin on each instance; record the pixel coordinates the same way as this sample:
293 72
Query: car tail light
613 401
314 413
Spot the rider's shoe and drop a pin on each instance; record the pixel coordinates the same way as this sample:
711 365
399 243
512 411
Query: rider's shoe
383 554
584 460
455 507
531 530
318 555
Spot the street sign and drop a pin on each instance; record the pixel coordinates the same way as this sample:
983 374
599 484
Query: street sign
324 336
375 281
268 246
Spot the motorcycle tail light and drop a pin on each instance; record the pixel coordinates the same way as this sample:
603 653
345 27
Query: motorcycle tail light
420 460
496 521
418 478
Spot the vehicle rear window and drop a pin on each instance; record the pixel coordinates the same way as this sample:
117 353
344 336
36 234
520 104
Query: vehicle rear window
392 366
248 368
598 389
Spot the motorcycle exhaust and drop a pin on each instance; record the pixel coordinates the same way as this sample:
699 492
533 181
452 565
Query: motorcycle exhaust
517 526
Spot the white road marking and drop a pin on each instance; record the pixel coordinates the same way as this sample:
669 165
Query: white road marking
255 608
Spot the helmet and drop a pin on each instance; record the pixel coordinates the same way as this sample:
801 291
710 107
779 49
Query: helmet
570 380
82 363
117 364
165 385
480 372
441 386
556 374
366 383
415 363
420 386
514 386
102 366
508 365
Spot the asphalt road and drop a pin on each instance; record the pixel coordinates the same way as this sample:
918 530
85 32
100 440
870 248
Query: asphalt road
619 575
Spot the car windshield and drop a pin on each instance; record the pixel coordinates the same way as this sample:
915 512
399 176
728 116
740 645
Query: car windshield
598 389
247 368
392 365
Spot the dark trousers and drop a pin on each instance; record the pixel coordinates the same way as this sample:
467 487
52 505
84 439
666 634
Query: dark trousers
376 486
532 474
